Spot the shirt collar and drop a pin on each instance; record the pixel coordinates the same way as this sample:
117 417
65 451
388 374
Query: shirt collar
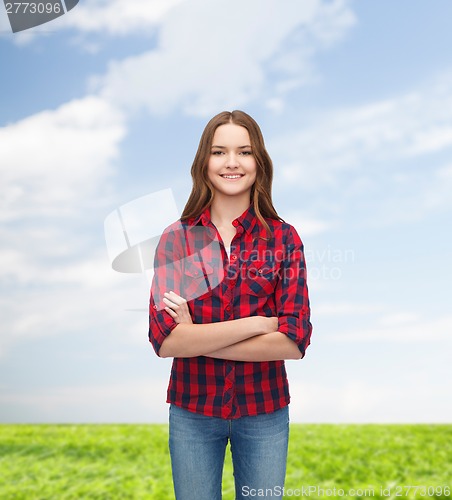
247 220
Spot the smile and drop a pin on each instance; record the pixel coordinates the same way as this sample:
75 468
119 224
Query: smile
231 176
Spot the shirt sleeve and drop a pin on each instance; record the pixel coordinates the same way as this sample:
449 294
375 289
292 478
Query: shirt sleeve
291 294
167 266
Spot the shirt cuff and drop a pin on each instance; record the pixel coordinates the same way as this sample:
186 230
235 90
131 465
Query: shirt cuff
297 329
161 324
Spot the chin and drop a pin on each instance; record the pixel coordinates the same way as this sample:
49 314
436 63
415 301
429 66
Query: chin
234 192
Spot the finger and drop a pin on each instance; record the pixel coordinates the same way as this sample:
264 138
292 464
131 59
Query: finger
170 303
171 312
175 298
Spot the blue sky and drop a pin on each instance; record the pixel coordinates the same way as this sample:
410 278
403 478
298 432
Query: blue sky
106 104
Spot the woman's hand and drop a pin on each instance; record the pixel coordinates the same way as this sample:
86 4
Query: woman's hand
177 308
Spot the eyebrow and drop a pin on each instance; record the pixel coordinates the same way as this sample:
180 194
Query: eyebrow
224 147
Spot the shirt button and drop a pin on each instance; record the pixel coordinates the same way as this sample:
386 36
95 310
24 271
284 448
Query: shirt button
233 257
155 307
235 223
228 308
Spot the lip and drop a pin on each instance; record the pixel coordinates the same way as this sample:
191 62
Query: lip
239 176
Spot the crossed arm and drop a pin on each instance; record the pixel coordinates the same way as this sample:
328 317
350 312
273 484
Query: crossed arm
246 339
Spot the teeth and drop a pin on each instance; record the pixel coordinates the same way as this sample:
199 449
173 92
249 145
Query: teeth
231 176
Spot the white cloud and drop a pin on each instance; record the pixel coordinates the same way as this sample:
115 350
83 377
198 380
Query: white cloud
412 196
59 301
305 224
445 173
117 17
55 172
363 402
375 165
112 17
140 401
346 308
401 327
219 58
209 56
437 193
54 160
374 136
399 319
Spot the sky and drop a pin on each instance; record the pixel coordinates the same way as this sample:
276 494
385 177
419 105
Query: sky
105 105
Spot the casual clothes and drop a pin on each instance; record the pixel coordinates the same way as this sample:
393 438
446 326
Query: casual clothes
262 277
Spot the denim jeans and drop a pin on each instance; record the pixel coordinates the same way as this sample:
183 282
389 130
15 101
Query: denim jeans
258 446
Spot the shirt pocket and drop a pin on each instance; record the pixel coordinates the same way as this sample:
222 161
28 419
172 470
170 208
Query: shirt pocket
260 278
197 278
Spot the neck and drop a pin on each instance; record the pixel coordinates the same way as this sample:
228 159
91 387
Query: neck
225 209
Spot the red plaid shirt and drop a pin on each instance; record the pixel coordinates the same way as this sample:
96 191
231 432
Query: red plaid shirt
261 277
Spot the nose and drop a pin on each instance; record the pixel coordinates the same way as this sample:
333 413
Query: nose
232 161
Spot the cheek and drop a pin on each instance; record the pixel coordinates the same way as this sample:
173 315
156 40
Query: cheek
214 162
211 168
252 169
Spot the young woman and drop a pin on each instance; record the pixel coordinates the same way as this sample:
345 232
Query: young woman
229 302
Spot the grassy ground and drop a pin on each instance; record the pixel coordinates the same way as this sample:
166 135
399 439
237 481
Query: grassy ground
132 462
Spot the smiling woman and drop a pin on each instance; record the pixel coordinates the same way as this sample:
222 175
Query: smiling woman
229 320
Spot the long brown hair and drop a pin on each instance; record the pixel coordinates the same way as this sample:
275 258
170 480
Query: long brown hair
202 192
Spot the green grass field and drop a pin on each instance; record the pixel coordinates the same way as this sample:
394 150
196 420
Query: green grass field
132 462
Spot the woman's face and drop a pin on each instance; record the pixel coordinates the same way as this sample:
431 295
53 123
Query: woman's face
232 167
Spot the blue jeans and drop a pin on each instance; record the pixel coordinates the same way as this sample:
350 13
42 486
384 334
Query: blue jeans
258 446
